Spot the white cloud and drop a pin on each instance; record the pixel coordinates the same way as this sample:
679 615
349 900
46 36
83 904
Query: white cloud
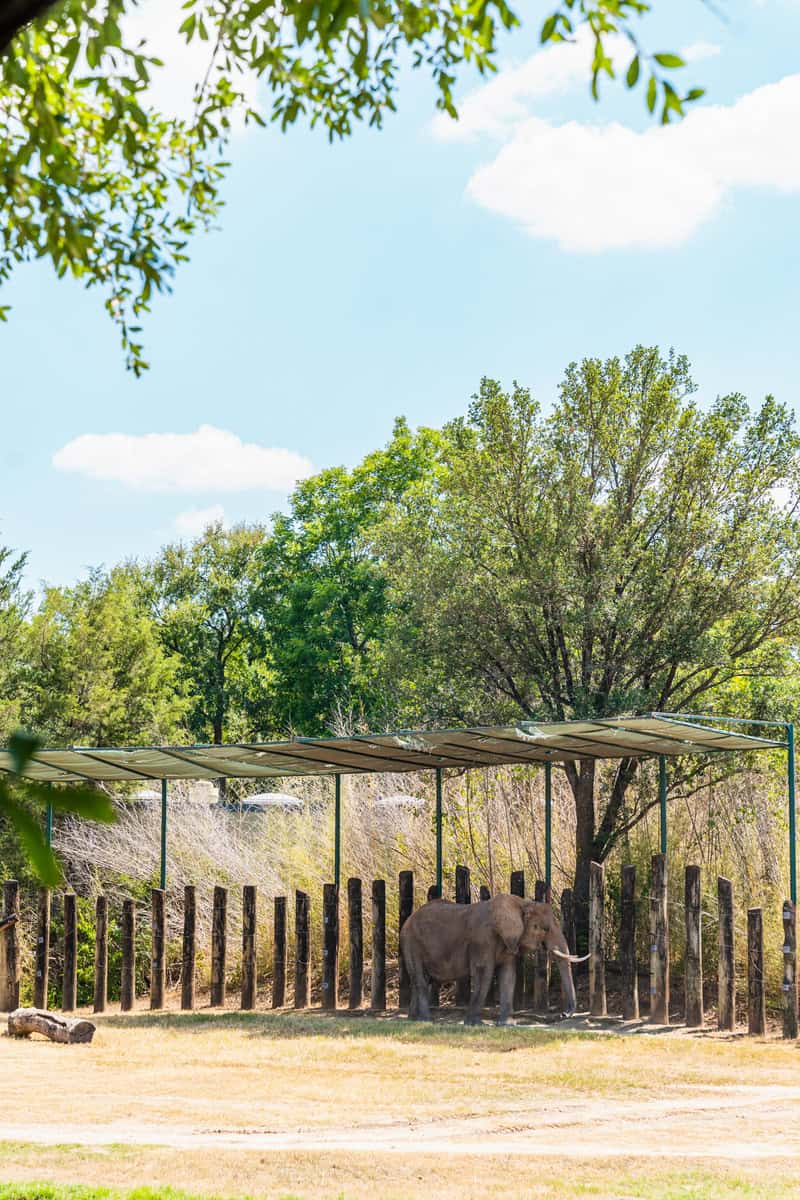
700 50
171 87
594 188
209 459
197 520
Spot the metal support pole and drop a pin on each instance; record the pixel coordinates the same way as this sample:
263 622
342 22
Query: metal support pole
548 822
163 883
439 829
337 833
662 797
792 815
48 824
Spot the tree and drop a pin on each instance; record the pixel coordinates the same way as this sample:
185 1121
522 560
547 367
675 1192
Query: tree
14 603
322 589
200 596
110 190
630 552
95 670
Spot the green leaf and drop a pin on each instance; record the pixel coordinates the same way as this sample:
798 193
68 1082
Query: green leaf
549 28
695 94
633 72
22 746
652 94
669 60
30 833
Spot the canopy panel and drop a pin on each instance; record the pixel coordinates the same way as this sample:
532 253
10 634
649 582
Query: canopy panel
404 750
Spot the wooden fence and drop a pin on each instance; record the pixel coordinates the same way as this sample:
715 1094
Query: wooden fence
532 992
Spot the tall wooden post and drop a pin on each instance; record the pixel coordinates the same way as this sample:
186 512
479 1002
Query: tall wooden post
517 888
158 949
597 958
378 968
249 909
219 947
356 941
756 1004
279 961
189 948
302 951
659 943
9 949
484 893
406 907
42 975
330 946
463 896
69 994
541 962
627 946
789 970
693 973
568 918
726 990
127 994
101 954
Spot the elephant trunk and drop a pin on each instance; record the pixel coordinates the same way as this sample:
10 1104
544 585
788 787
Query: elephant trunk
568 997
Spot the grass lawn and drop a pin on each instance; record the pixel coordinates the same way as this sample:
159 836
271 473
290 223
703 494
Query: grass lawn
289 1105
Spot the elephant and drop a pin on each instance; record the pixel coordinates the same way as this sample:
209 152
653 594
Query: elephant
443 941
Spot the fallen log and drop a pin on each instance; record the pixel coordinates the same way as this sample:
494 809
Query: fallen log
25 1021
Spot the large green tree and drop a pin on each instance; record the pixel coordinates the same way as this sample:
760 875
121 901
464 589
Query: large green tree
14 604
110 191
322 590
629 551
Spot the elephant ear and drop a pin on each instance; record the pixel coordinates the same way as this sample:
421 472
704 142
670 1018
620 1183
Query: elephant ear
507 921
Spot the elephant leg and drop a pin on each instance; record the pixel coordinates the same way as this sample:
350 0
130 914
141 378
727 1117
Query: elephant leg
506 979
419 1008
480 982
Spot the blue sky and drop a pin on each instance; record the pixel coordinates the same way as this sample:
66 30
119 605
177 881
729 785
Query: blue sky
352 283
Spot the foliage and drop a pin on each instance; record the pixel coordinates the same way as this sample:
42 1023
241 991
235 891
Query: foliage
110 191
322 589
200 596
624 553
14 604
96 672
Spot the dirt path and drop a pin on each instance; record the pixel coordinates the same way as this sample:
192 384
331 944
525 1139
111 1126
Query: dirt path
739 1124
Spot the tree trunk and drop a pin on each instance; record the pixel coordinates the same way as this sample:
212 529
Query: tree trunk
581 777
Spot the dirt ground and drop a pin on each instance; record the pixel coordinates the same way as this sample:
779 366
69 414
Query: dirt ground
325 1107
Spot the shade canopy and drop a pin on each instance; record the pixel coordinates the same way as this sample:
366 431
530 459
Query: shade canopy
406 750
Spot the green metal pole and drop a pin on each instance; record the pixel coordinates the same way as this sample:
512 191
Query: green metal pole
48 821
337 834
439 829
662 796
163 834
548 822
792 816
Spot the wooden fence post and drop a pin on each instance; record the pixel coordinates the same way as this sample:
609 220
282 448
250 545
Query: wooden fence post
756 1004
406 907
659 943
302 951
541 962
219 947
249 908
726 991
69 984
42 976
279 961
101 954
356 941
484 893
789 970
189 948
378 968
517 888
9 949
597 960
330 946
463 896
627 945
568 918
693 972
127 993
158 957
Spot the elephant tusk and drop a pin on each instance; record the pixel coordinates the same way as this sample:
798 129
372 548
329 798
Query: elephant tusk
573 958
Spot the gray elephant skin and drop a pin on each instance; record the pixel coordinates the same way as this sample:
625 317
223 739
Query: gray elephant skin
443 942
